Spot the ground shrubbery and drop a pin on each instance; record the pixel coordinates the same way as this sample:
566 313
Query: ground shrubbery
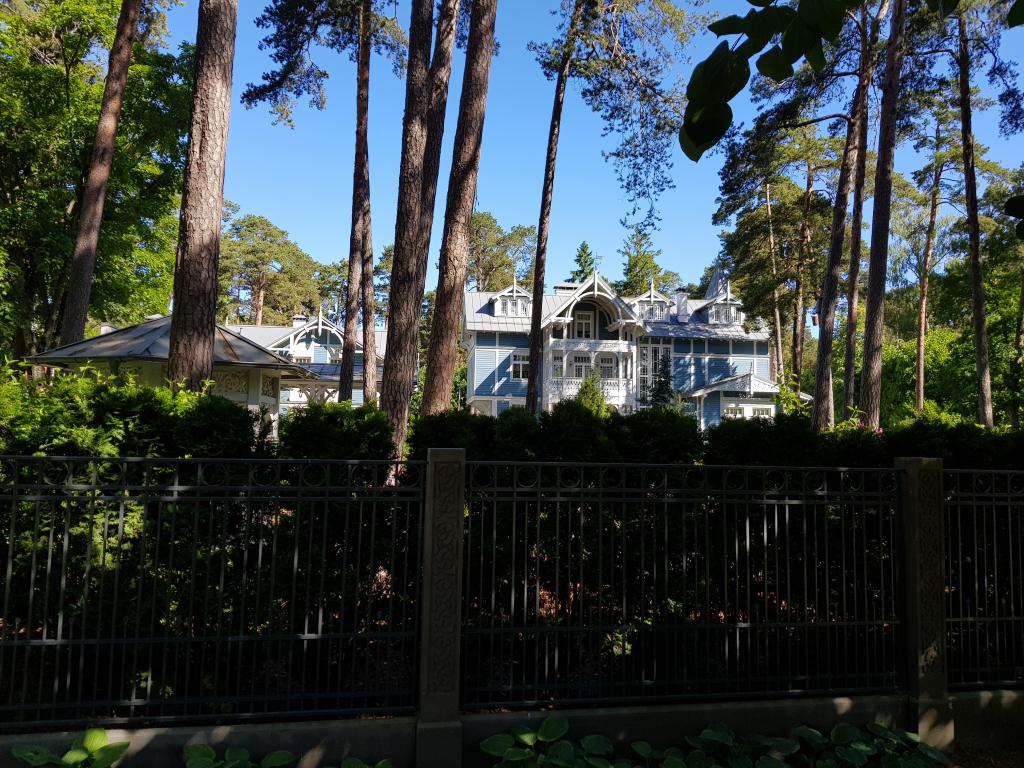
91 414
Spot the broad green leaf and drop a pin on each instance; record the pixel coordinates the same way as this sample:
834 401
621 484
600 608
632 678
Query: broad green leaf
35 756
934 754
709 123
277 759
75 756
516 755
597 761
823 16
108 755
844 733
622 762
553 728
880 730
851 756
730 25
767 761
200 762
1020 226
761 3
562 753
673 762
498 744
1016 17
773 64
785 746
797 40
808 734
642 748
816 57
352 762
236 755
384 764
94 739
1015 205
739 761
943 7
596 745
524 735
199 750
698 759
719 734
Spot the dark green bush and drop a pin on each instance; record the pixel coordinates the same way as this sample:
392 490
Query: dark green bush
335 431
846 745
89 414
452 429
571 431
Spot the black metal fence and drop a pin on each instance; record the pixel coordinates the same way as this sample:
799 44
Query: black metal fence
984 578
141 590
618 582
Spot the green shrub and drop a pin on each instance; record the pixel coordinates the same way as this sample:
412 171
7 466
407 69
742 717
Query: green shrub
90 750
657 435
591 396
204 756
90 414
335 431
844 746
572 431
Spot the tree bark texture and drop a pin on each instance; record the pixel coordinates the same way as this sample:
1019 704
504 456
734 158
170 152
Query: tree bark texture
823 413
544 220
925 271
874 325
83 262
421 136
193 323
360 206
369 311
1017 369
984 375
444 333
799 330
259 296
780 366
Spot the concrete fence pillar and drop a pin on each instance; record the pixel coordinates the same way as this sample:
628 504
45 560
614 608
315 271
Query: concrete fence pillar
439 730
925 599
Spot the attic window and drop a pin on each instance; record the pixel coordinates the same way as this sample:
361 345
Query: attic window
652 310
725 315
514 307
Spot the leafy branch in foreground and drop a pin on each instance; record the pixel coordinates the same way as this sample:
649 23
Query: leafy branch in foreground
789 34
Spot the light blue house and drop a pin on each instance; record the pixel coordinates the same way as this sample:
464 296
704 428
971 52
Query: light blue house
315 344
721 365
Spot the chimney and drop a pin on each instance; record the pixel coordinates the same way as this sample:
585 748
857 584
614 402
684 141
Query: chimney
298 320
682 312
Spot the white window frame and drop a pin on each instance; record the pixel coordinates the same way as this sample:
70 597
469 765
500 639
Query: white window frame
520 368
582 365
503 306
761 412
580 320
607 366
557 365
733 412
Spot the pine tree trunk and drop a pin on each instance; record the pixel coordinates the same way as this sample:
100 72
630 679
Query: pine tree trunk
83 262
780 366
259 295
360 205
799 330
874 326
193 323
823 414
421 138
444 334
544 221
369 309
984 376
926 268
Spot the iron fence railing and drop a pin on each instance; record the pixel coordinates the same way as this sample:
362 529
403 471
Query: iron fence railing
610 583
984 515
146 590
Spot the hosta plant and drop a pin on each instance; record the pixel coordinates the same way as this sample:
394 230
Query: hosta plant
204 756
91 749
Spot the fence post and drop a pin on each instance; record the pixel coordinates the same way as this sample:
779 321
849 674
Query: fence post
439 729
925 600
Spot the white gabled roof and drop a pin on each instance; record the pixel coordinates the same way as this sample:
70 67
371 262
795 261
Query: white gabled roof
595 286
750 383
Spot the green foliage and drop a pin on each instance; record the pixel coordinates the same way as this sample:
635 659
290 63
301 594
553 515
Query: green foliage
51 78
591 396
575 430
92 414
584 264
656 435
496 254
717 745
640 267
336 431
662 394
204 756
91 749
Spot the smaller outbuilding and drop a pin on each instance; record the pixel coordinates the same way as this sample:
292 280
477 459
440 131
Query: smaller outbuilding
243 371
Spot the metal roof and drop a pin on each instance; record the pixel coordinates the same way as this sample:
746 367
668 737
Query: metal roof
276 336
150 340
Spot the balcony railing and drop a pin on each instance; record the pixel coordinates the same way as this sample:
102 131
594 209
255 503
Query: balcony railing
611 388
589 345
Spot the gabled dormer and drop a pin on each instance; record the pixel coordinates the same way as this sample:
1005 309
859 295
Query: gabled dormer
652 305
514 301
721 307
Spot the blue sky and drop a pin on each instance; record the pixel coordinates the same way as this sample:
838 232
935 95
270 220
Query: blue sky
301 179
